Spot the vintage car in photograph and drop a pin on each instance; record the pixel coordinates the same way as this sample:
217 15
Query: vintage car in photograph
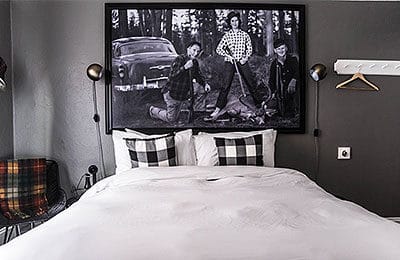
141 62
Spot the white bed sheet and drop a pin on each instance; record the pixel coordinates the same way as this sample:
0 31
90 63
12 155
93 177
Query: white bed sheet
184 213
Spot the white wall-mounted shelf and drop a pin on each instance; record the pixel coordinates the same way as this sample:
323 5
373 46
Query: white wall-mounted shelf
368 67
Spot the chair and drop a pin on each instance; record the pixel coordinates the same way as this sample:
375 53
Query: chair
56 198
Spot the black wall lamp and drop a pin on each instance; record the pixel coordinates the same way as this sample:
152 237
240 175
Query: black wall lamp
317 73
95 73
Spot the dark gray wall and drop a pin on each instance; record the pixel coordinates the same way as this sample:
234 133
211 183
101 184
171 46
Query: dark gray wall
366 121
6 112
54 42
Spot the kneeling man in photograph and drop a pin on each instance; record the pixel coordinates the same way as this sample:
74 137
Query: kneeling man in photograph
185 75
284 80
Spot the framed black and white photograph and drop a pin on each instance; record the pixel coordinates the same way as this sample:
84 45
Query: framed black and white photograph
205 66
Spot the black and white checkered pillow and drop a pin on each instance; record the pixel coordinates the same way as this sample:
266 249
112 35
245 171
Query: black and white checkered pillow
240 151
152 152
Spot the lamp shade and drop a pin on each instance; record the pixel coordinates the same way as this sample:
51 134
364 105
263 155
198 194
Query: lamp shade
95 72
318 72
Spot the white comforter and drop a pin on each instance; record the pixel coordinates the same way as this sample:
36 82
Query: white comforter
209 213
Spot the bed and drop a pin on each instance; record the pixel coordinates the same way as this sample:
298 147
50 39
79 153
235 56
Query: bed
191 212
200 209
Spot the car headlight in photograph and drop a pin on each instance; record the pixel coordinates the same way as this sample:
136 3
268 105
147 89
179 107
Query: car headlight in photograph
121 72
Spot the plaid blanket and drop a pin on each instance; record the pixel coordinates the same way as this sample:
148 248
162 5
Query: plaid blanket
23 188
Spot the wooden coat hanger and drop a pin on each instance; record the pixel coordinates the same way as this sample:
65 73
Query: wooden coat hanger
360 76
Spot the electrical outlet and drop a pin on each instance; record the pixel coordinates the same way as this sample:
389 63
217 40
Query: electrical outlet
343 153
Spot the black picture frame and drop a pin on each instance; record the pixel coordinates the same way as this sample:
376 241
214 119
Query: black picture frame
132 87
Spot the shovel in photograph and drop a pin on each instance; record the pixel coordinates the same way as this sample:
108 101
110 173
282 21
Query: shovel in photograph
244 98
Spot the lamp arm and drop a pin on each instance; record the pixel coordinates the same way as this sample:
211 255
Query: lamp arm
96 119
316 110
316 132
96 116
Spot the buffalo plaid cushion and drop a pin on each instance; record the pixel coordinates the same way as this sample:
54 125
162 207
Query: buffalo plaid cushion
240 151
152 152
23 188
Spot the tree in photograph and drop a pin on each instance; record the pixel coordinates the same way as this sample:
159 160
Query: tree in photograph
207 29
123 23
147 22
201 17
293 32
213 35
141 22
186 37
168 24
281 24
156 23
268 33
245 21
255 31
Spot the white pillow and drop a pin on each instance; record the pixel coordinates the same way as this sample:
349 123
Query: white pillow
183 144
207 154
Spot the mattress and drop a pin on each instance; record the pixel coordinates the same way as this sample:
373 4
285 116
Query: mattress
209 213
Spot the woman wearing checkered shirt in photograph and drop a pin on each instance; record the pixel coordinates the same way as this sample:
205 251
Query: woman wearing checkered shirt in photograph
235 46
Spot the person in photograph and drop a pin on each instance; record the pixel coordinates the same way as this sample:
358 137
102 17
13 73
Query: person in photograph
236 47
284 79
185 74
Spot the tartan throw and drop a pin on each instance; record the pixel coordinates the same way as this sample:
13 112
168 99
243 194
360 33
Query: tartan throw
240 151
23 188
152 152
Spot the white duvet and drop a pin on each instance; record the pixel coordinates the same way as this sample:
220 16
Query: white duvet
209 213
